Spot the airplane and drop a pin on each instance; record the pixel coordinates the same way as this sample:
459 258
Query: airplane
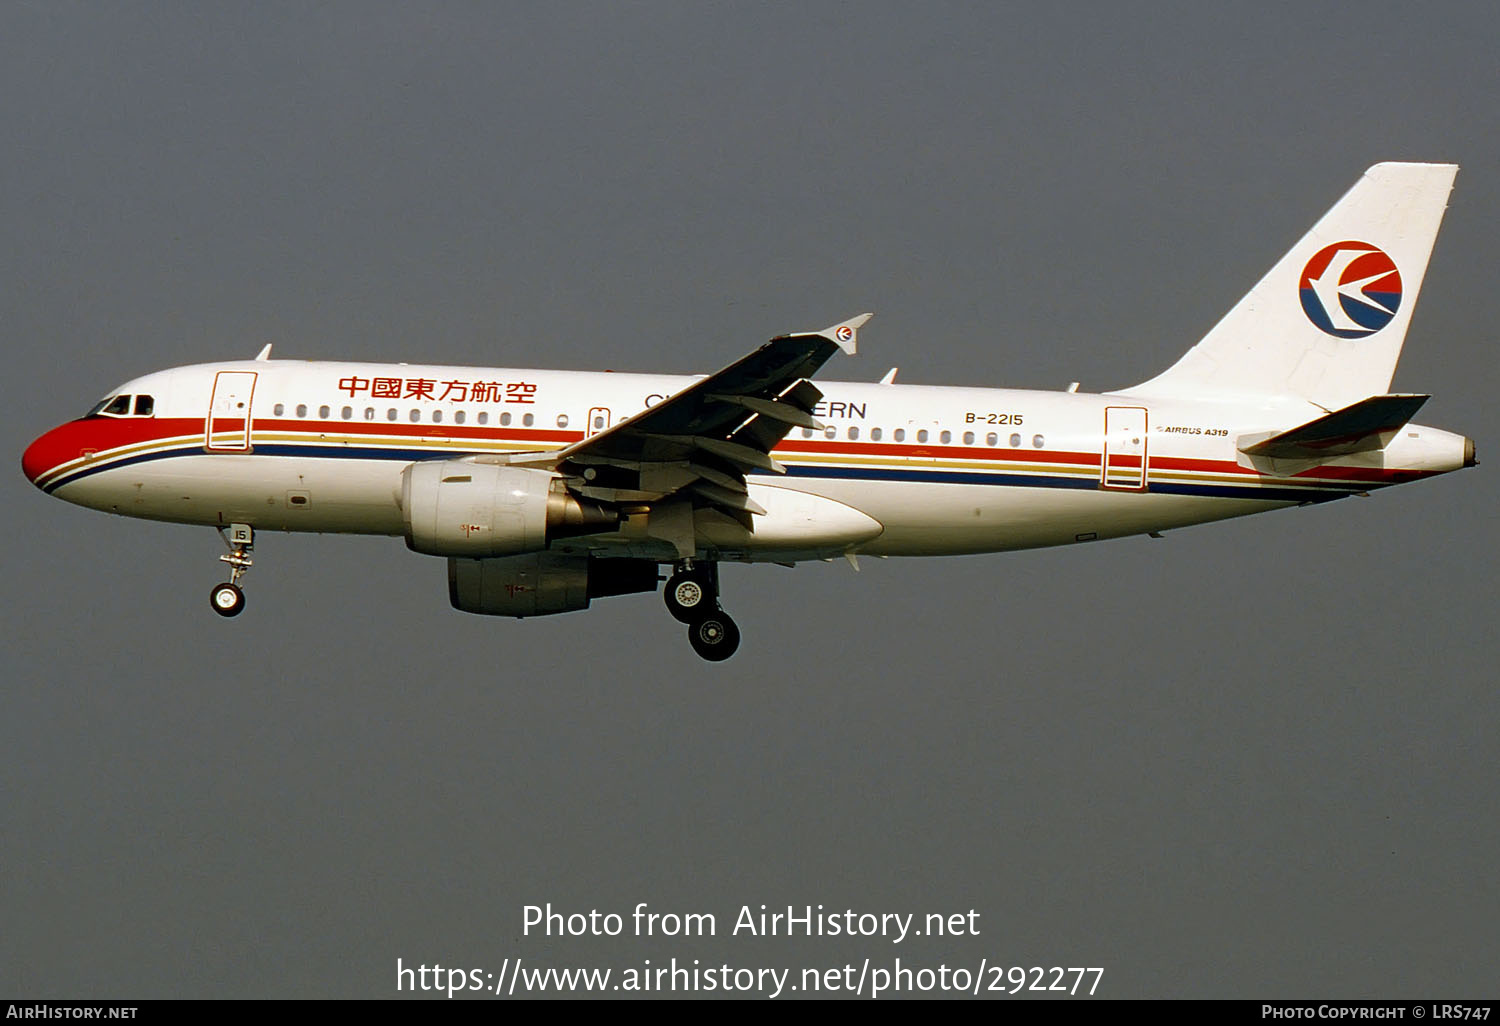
547 489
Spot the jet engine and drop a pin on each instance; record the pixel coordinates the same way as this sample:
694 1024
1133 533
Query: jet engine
542 583
456 508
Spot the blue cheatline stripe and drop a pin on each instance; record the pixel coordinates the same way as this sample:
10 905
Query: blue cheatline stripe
330 451
89 470
343 452
938 476
1310 493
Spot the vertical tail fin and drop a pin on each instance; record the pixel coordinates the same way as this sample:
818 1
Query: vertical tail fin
1326 323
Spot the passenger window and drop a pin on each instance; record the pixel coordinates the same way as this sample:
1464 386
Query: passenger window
854 434
505 420
1015 441
119 406
1038 441
437 416
807 432
458 417
598 423
992 439
830 432
323 412
922 435
900 434
369 413
484 417
347 413
874 434
301 409
278 409
144 404
528 420
562 420
415 416
968 438
391 414
946 437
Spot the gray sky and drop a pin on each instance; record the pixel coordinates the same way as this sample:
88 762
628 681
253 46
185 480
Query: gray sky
1249 759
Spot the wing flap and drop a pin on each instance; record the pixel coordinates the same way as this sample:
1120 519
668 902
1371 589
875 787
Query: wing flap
734 452
699 443
730 497
785 413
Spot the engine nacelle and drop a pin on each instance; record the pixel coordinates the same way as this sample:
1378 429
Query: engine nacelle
542 583
455 508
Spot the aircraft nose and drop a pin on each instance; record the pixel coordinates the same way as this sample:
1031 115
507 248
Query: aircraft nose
46 452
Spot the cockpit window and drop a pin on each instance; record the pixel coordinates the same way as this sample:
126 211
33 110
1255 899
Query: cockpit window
122 406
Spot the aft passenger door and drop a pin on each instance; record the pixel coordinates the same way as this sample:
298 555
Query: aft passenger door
1125 441
228 427
598 421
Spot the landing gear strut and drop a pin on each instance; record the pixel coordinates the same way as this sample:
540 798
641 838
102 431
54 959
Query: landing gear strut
228 599
692 597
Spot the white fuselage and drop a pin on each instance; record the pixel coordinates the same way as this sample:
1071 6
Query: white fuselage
321 446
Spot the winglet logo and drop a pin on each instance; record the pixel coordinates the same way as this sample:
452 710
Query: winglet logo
1350 289
844 333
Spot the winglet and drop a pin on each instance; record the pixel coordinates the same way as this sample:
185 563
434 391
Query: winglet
264 354
846 333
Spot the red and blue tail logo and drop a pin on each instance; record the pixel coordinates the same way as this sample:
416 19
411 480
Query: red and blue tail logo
1350 289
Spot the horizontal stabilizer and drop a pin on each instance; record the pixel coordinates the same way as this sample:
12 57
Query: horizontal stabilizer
1365 426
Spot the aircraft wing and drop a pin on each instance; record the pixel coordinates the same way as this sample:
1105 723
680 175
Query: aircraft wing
701 442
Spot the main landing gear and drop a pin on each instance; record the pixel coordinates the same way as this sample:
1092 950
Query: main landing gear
228 599
692 596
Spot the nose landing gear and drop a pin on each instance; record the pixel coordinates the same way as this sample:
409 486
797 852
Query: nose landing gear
692 597
228 599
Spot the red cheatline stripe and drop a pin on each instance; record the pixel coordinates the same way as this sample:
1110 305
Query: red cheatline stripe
922 450
1083 459
103 434
410 430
